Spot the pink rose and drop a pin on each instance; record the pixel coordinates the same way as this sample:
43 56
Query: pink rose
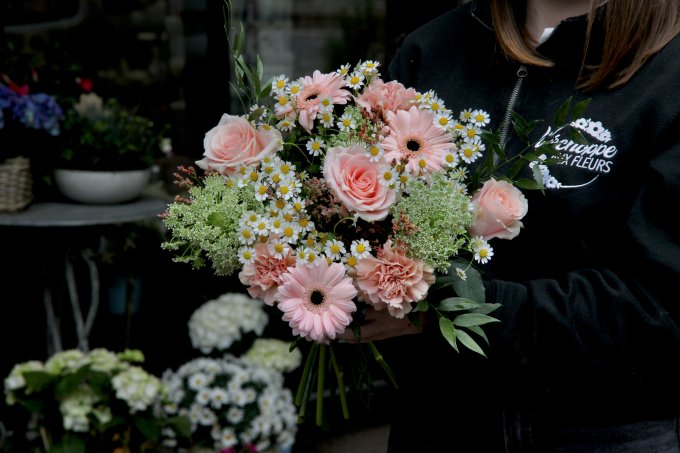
355 181
392 280
380 97
263 276
500 206
235 142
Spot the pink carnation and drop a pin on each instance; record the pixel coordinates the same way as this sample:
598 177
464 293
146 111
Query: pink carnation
393 280
380 97
263 276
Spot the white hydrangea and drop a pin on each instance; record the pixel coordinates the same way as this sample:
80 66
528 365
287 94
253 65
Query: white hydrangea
218 323
240 403
274 353
137 388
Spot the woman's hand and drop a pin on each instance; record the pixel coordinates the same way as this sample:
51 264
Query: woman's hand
380 325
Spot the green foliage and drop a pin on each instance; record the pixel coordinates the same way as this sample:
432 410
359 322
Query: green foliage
105 135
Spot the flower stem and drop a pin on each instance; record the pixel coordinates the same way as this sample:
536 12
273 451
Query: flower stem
320 384
339 375
311 355
381 361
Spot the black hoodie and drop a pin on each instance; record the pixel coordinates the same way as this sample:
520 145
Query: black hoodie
590 289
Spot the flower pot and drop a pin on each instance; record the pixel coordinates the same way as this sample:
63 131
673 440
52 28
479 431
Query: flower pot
101 187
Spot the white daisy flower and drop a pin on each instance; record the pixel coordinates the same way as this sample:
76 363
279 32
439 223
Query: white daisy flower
285 125
326 119
443 120
482 250
279 84
279 249
334 249
388 177
355 81
480 118
375 152
466 116
246 235
360 248
344 69
346 123
246 255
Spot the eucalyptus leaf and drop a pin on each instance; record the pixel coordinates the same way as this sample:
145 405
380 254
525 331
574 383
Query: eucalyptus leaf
421 306
472 287
479 331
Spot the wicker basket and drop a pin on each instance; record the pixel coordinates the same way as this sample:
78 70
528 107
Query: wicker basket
16 184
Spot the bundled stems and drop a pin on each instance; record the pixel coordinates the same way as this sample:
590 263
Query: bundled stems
320 384
339 375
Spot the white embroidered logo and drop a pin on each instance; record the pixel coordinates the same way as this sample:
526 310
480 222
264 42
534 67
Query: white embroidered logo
594 157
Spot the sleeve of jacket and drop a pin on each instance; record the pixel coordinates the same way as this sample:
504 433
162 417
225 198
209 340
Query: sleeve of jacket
620 320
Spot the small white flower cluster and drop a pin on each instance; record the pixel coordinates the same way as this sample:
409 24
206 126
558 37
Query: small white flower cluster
275 354
89 399
137 388
231 402
218 323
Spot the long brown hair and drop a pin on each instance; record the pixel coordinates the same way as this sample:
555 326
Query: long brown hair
634 31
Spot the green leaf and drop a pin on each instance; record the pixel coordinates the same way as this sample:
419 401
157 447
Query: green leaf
70 443
472 287
473 319
37 380
469 342
527 184
148 427
181 425
538 176
479 331
448 331
562 112
578 137
516 168
580 108
421 306
457 304
217 219
485 309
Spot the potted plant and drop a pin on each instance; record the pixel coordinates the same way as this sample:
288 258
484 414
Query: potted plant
107 151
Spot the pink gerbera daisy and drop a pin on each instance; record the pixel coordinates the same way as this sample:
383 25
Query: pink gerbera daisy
317 301
315 88
415 140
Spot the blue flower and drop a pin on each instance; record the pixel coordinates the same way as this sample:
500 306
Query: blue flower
34 111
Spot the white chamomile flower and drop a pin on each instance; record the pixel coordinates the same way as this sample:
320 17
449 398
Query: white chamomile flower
350 261
326 104
315 146
246 235
326 118
279 84
261 226
285 125
346 123
457 128
286 168
246 255
469 152
451 158
290 233
361 248
443 120
369 67
261 191
375 152
334 249
344 70
388 177
294 88
282 100
298 204
305 224
355 81
472 132
249 218
276 225
301 256
279 249
480 118
313 257
283 191
482 250
461 274
435 104
466 116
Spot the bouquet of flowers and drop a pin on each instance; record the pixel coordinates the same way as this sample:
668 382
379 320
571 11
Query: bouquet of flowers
234 404
339 191
91 401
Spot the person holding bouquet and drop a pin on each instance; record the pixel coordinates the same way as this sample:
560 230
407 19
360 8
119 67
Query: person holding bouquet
585 356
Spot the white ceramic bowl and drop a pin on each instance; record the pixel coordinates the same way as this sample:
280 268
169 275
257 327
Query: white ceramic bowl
101 187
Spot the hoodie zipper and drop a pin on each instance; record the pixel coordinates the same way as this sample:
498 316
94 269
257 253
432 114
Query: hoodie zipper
505 129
